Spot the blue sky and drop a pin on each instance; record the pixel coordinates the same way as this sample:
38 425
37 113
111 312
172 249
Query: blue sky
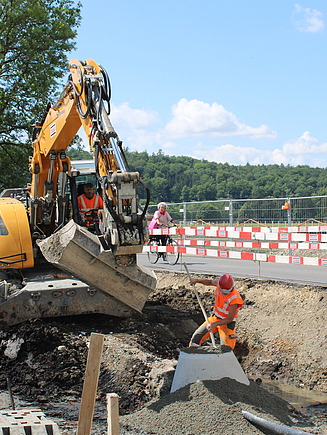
236 81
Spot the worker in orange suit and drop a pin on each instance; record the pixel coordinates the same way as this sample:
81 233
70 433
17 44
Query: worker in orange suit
87 201
228 301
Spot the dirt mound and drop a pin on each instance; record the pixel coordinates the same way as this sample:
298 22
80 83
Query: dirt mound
281 335
283 328
42 360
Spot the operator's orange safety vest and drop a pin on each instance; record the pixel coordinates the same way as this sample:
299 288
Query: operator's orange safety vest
223 302
85 204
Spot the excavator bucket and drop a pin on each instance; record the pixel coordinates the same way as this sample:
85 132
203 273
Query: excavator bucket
79 252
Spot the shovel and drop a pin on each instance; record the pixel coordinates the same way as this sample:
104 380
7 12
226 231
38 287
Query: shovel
201 305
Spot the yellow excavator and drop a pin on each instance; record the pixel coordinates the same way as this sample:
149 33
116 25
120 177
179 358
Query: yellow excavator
50 264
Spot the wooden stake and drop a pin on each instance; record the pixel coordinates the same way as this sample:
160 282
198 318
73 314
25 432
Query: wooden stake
90 384
113 414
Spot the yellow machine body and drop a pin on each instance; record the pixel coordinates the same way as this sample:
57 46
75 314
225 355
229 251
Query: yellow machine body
15 237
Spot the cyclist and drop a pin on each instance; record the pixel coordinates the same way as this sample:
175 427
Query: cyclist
161 218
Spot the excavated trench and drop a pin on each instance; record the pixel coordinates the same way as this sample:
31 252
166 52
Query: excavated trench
45 361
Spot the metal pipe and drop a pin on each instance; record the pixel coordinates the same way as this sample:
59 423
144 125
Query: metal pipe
273 427
117 154
10 393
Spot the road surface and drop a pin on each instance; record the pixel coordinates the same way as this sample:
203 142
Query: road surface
244 269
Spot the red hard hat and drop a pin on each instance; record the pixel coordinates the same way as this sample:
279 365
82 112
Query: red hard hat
226 283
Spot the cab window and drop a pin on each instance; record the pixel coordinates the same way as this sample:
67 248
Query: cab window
3 229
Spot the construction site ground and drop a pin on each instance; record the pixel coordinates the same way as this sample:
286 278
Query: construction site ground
281 338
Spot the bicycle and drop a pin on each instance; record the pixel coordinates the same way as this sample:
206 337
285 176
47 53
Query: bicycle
154 254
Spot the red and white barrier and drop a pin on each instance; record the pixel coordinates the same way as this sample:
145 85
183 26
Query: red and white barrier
230 233
293 240
251 245
297 229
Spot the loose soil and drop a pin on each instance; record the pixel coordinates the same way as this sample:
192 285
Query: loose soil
281 335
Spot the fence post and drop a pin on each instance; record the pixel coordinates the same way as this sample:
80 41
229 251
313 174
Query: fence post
289 221
289 213
230 212
184 214
113 414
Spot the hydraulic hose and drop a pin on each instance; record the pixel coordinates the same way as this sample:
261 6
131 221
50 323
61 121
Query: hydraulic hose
88 100
147 199
106 87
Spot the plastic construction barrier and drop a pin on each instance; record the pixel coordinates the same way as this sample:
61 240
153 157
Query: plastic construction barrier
265 238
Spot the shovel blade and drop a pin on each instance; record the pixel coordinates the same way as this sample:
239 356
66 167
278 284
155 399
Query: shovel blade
205 363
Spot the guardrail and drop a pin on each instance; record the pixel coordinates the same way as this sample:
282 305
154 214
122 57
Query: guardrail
208 239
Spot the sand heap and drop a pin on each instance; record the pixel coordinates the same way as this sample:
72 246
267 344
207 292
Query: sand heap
214 407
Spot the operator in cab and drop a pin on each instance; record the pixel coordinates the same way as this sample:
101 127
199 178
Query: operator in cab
87 201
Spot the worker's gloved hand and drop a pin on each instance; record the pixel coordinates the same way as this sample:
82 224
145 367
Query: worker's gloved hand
83 219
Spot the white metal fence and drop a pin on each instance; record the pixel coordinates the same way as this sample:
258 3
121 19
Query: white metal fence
267 211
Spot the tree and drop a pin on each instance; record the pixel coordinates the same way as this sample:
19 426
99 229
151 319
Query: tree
76 151
159 190
35 36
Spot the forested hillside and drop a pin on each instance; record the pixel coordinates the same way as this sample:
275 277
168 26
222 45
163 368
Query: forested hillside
177 179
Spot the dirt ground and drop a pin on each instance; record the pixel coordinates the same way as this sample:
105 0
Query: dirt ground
281 336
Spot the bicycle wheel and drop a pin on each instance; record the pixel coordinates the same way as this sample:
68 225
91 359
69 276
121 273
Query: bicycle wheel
172 257
153 257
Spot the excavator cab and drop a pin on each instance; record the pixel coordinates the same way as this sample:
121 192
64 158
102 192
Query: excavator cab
83 174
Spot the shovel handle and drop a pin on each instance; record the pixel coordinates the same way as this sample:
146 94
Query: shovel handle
201 305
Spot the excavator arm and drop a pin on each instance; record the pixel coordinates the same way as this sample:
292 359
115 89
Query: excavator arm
85 101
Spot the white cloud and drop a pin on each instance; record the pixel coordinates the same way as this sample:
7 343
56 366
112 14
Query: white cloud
133 118
307 19
197 118
136 127
304 150
229 153
140 130
305 144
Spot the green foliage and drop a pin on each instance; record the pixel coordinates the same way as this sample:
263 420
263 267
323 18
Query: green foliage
178 179
76 151
35 36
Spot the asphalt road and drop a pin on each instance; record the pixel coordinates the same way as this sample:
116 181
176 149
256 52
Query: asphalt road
316 275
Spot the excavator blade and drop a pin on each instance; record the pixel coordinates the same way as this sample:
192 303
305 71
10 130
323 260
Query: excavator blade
79 252
43 296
